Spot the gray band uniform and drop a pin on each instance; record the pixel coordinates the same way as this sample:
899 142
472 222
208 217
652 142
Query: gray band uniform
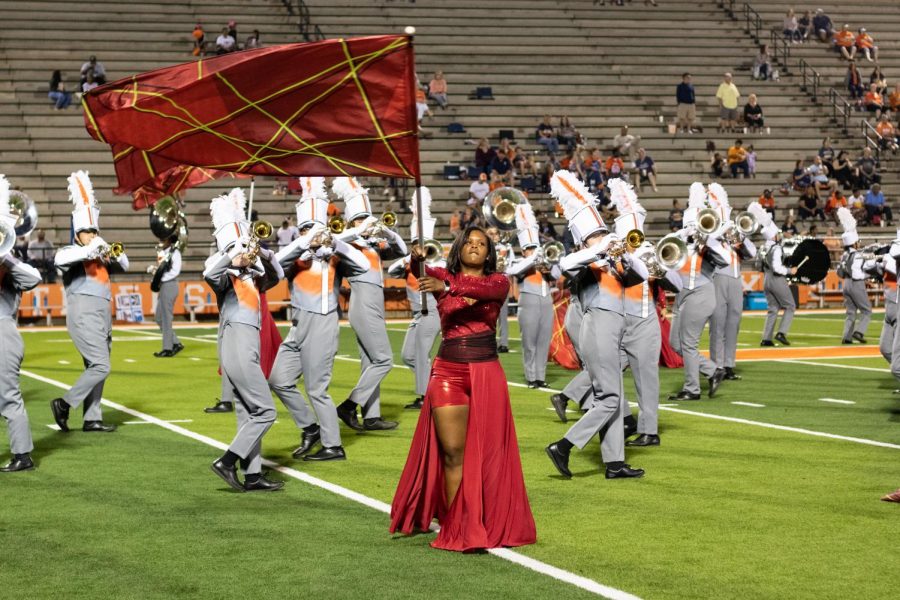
778 292
579 388
888 270
15 277
165 301
856 297
726 319
535 315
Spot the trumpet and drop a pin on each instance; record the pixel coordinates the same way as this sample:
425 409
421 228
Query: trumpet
633 239
111 251
376 231
434 251
259 230
323 237
336 224
389 219
708 221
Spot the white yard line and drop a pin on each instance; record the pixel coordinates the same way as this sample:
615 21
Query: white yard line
836 401
833 365
751 404
510 555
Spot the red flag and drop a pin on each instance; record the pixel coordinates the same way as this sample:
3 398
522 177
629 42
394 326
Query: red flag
562 352
171 183
338 107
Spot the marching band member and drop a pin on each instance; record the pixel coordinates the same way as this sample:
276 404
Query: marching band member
535 276
894 253
86 267
603 328
888 269
856 298
16 277
729 285
367 308
778 292
310 262
232 273
696 302
579 388
167 271
423 329
505 257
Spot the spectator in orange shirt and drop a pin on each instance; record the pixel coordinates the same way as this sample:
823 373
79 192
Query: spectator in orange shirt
888 134
866 45
614 166
767 201
835 201
845 42
454 223
873 101
437 89
737 159
198 36
894 98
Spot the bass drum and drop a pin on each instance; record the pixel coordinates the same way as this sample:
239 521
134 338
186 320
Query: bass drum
810 256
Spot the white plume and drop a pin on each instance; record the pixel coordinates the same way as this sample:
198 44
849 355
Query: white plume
570 193
346 188
4 195
697 196
623 196
718 197
525 217
426 203
845 217
762 216
81 192
313 187
227 208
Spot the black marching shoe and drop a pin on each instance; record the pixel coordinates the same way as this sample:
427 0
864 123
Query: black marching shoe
858 336
560 402
502 349
767 343
532 385
623 472
60 413
645 439
229 476
261 484
163 354
220 407
539 383
379 424
416 404
98 426
782 339
560 459
177 348
730 375
307 442
845 341
715 381
20 462
333 453
684 395
346 411
629 425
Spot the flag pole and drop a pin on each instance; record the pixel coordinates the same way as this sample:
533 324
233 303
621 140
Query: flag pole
420 239
250 203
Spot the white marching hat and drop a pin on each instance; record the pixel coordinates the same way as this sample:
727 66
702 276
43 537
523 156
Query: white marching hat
631 213
696 203
313 204
4 203
85 210
355 197
767 227
717 198
848 222
578 206
527 226
228 218
428 222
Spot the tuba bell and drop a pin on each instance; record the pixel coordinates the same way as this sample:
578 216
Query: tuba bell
167 219
499 207
23 209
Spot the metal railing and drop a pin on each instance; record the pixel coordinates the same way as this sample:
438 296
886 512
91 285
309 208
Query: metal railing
840 110
873 139
781 49
728 7
752 22
308 31
809 80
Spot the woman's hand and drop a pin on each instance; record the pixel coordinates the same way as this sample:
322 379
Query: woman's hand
417 253
431 285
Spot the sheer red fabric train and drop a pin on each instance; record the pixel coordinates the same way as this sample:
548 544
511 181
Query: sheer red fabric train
491 508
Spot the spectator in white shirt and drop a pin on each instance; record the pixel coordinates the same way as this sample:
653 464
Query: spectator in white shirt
40 255
479 189
286 234
96 67
90 83
224 43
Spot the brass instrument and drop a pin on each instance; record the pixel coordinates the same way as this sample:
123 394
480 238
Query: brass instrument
336 224
746 223
633 239
376 231
499 208
670 253
7 237
389 219
167 219
111 251
552 252
322 237
259 230
23 209
708 221
434 251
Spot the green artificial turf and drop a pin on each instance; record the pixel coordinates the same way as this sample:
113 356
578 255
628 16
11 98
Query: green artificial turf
726 510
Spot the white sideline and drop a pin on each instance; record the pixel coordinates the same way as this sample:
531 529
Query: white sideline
520 559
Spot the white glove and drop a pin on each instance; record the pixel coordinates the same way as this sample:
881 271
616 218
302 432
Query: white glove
603 245
368 222
324 253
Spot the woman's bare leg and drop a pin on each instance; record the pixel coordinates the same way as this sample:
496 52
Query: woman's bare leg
451 423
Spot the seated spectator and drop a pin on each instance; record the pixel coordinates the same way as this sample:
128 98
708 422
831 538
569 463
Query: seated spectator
877 77
767 201
41 254
480 188
762 63
507 147
809 204
894 99
791 28
437 89
626 144
737 159
751 161
232 31
717 165
676 216
845 42
421 105
865 45
523 165
818 172
822 27
888 134
90 83
789 227
550 167
836 200
843 170
800 179
484 154
567 134
873 101
857 205
225 43
753 114
58 94
199 37
827 154
644 170
804 25
876 206
614 166
546 136
253 41
546 230
575 164
96 67
471 217
854 83
455 223
867 169
593 169
501 167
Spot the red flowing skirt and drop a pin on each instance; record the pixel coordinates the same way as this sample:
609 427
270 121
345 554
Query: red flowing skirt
269 337
491 508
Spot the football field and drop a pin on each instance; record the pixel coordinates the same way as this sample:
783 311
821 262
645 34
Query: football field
769 490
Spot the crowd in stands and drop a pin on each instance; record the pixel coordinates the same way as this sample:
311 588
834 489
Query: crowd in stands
93 74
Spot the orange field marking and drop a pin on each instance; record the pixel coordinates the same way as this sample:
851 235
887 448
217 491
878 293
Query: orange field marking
812 352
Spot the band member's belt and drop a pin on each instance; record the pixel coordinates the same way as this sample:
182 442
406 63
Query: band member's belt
470 348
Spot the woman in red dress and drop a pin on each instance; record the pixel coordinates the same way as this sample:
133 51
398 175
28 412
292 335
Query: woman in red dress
463 466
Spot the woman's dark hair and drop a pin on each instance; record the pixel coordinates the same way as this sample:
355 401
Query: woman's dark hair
454 264
55 80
